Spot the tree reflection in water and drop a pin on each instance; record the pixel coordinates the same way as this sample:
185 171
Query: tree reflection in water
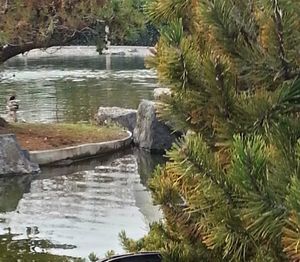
30 249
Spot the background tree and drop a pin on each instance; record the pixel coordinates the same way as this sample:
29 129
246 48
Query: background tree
231 188
26 25
30 24
128 23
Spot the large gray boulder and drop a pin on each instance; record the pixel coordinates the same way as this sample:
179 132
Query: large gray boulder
14 160
150 133
121 116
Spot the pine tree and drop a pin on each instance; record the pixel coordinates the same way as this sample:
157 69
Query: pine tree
231 188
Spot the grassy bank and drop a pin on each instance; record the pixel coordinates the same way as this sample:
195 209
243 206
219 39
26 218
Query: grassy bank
32 136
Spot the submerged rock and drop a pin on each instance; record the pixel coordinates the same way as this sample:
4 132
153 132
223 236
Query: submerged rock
121 53
124 164
122 116
150 133
3 122
161 93
14 160
112 169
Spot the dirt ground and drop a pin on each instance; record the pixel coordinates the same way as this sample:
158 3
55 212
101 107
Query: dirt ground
50 136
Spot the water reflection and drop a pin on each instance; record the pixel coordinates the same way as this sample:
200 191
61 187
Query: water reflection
147 162
80 209
72 88
29 249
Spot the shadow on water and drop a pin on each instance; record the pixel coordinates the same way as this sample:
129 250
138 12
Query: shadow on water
12 190
147 162
82 165
79 188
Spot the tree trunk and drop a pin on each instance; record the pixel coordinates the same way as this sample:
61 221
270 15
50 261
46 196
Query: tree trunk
9 51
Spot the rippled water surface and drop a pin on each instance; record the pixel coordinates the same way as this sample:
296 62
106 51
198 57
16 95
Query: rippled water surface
71 88
82 208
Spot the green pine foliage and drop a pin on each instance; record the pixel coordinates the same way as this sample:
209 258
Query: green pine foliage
231 188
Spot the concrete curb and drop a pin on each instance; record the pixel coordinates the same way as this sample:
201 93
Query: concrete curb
46 157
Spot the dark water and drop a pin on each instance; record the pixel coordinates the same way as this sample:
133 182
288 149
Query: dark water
71 88
79 209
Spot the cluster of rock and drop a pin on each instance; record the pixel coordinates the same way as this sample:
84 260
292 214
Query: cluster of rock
149 132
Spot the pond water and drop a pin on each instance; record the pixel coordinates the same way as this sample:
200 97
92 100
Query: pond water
71 88
79 209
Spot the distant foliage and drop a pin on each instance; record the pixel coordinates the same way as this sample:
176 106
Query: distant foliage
128 23
29 24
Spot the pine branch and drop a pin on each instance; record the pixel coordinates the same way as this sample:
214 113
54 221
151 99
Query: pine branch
277 17
233 68
291 235
262 211
288 101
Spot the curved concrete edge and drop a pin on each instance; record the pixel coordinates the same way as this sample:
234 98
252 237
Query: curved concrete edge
45 157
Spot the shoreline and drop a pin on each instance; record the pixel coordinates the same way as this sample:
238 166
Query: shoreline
141 51
69 154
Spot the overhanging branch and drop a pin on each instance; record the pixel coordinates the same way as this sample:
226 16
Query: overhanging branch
60 37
